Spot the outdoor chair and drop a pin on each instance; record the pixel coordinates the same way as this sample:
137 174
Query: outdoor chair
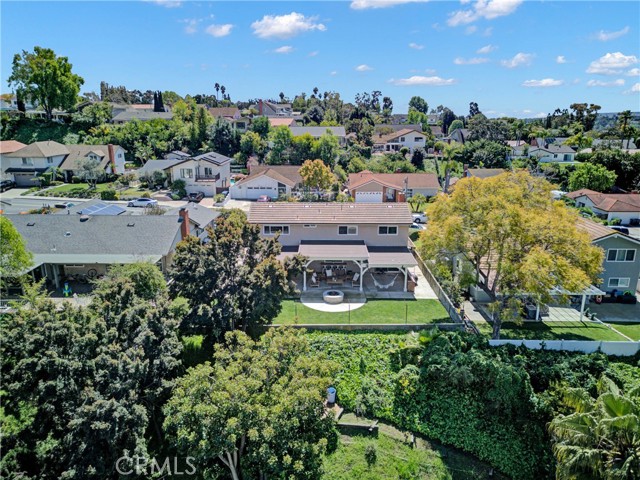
355 281
314 282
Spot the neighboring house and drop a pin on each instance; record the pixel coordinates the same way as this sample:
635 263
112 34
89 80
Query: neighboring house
231 115
199 218
270 180
270 109
317 132
459 135
355 237
553 153
621 265
368 187
163 164
389 127
433 119
140 114
209 173
625 206
481 172
436 131
110 157
27 163
277 122
7 147
393 142
81 244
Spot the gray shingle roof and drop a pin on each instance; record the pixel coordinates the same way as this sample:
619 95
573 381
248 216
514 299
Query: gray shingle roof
330 213
317 131
101 239
161 164
141 115
78 153
40 150
199 214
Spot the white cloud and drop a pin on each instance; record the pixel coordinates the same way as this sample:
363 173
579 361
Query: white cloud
191 25
219 30
487 32
519 59
313 54
634 72
364 4
470 29
606 36
635 88
416 46
486 49
284 49
167 3
544 83
540 115
600 83
612 63
363 68
561 59
285 26
487 9
470 61
418 80
333 73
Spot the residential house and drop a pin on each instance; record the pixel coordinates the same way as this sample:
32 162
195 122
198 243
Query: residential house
609 206
481 172
621 265
436 131
231 115
553 153
459 135
317 132
384 128
209 173
278 122
271 180
140 114
198 217
394 142
27 163
355 239
110 158
7 147
368 187
162 165
270 109
64 245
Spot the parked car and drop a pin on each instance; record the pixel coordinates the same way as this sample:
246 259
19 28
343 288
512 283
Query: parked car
417 226
142 202
6 185
624 230
419 218
264 198
196 197
63 205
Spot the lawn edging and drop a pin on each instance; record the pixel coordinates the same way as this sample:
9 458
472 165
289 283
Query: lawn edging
608 347
387 327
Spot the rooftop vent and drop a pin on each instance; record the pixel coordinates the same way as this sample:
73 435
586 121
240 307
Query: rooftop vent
30 224
67 234
131 224
84 218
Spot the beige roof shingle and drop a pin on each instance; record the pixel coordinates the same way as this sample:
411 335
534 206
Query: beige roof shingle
394 180
330 213
41 150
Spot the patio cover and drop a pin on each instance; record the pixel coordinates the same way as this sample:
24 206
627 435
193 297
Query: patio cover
590 290
391 258
334 250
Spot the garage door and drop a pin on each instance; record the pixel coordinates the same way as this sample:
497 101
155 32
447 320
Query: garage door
25 179
368 197
254 192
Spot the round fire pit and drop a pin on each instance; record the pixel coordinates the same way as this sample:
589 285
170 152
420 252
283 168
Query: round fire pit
333 297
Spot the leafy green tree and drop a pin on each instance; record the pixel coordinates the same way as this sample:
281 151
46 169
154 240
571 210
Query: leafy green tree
14 256
416 201
316 175
232 281
600 440
327 147
533 242
624 164
281 139
203 121
485 153
261 126
593 177
257 411
457 123
417 158
416 117
624 126
46 79
93 115
483 128
314 115
302 149
224 139
419 104
252 144
90 171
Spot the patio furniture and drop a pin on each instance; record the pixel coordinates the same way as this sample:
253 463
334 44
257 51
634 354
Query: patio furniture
314 283
384 286
355 281
334 281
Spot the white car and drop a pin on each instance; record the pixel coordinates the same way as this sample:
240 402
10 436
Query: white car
419 218
142 202
417 226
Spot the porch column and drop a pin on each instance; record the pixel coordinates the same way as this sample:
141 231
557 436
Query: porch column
304 280
537 312
56 277
584 299
406 274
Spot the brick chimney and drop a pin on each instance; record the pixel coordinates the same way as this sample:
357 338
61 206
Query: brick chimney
112 157
184 223
465 169
260 107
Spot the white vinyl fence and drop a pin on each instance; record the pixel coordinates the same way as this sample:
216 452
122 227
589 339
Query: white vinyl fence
584 346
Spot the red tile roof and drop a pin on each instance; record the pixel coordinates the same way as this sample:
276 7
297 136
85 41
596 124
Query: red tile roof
610 202
9 146
394 180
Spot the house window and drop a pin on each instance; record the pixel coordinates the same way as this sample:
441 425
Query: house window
567 157
387 230
186 173
241 125
402 139
408 192
208 171
49 160
417 139
309 225
621 255
555 155
26 161
347 230
119 155
619 282
273 229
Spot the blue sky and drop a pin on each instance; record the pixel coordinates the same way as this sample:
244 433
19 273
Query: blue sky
512 57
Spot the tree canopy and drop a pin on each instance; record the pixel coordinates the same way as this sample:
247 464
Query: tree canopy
46 79
316 175
593 177
14 256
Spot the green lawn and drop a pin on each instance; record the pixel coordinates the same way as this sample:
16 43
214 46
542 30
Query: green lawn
554 331
374 311
73 189
631 330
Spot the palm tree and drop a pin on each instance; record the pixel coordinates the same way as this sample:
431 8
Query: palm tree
624 118
601 440
217 87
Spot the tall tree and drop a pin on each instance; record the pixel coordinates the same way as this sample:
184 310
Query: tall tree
316 175
327 148
593 177
473 109
14 256
419 104
280 139
261 126
217 89
257 411
46 79
624 126
532 242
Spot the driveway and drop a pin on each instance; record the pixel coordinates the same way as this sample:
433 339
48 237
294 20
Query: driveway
243 205
13 193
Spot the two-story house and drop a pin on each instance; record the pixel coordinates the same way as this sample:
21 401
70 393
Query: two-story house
368 187
554 153
270 109
110 158
394 142
621 265
7 147
32 160
356 239
609 206
231 115
209 173
317 132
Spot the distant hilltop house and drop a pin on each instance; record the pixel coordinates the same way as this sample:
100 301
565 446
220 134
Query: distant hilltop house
368 187
553 153
270 180
394 142
29 162
270 109
317 132
231 115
